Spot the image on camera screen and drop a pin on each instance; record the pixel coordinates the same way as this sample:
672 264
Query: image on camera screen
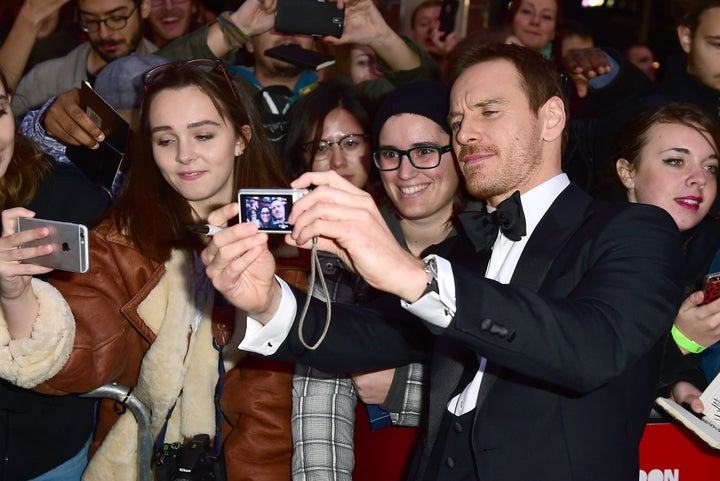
270 213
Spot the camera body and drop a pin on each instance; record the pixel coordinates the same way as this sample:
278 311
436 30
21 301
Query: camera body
268 208
194 461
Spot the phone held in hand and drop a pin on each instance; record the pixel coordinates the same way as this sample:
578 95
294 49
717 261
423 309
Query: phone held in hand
711 287
448 13
309 17
69 242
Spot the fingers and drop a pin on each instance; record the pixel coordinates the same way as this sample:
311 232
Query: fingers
9 219
221 216
66 121
692 301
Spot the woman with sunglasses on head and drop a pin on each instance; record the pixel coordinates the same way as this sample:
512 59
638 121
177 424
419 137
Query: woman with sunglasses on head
145 314
421 181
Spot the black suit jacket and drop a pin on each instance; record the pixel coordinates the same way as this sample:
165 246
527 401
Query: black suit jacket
573 342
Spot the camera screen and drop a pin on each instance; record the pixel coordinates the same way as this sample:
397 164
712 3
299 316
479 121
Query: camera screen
270 213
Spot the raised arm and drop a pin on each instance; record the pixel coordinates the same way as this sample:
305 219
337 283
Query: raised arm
15 51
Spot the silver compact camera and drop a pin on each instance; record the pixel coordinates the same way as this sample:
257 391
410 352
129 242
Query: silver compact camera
268 208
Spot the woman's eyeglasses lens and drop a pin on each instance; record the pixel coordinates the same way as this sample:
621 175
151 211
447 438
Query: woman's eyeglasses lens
351 144
423 157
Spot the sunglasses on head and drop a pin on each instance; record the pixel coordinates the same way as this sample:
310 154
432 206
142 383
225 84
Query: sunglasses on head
206 65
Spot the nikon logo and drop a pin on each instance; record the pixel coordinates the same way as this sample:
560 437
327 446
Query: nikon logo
660 475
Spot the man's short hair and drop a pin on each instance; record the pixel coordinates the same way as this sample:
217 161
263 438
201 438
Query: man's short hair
539 77
687 12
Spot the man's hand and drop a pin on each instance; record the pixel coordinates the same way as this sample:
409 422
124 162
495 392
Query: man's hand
241 267
584 64
39 10
373 387
254 17
700 323
67 122
443 45
348 224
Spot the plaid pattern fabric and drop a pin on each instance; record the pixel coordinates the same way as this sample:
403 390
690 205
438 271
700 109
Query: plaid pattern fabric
322 426
408 414
324 416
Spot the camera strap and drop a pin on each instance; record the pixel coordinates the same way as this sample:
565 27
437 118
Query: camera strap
315 267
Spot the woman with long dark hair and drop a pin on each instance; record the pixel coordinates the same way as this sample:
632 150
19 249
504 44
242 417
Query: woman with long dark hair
145 314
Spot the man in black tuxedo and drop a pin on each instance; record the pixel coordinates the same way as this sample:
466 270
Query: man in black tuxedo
548 336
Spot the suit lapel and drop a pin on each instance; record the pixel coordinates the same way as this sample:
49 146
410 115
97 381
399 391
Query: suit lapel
546 242
549 237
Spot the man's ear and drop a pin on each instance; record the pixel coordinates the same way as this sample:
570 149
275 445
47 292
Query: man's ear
249 46
145 9
685 38
553 115
625 171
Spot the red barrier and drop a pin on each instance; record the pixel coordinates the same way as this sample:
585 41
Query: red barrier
670 452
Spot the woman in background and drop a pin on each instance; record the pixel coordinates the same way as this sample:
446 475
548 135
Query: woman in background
536 25
667 156
145 314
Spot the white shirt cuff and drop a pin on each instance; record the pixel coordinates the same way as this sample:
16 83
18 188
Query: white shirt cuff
266 339
438 308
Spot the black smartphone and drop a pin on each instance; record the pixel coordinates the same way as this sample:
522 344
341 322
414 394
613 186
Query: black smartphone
448 12
309 17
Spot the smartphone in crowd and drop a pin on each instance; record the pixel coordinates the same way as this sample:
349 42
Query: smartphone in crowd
69 241
711 287
309 17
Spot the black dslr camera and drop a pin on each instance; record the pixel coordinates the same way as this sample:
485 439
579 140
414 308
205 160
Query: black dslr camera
194 461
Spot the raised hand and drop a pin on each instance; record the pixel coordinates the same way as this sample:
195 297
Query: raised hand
348 224
241 266
699 322
67 122
585 64
18 302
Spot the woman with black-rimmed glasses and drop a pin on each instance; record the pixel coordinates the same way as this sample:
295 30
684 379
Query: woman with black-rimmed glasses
422 194
145 314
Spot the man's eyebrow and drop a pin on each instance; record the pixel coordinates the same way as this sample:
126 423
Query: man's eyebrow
480 104
106 14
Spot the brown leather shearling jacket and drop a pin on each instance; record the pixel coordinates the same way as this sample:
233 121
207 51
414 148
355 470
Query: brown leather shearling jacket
112 337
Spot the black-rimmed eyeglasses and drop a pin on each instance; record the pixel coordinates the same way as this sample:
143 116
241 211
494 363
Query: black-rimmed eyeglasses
207 65
113 22
421 157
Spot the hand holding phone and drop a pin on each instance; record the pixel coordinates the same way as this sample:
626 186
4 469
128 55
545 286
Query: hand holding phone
69 242
711 287
448 12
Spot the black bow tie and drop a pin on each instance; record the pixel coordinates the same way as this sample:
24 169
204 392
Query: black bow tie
482 227
510 218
